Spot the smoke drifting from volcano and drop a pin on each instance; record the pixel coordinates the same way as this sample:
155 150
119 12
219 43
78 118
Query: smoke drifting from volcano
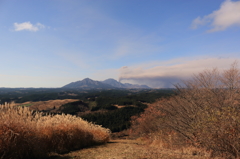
165 74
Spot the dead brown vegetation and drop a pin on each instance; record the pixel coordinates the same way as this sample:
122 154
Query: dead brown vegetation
50 105
131 149
204 114
27 134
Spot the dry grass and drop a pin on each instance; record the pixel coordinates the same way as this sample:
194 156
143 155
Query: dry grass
50 105
132 149
122 106
28 134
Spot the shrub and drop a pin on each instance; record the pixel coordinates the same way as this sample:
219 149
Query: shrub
28 134
205 112
147 122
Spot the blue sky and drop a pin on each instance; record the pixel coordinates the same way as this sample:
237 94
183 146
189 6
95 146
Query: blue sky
50 43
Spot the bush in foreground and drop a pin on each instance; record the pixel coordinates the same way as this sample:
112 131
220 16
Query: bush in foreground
205 113
28 134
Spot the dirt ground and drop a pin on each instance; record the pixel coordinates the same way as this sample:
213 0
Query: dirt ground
127 149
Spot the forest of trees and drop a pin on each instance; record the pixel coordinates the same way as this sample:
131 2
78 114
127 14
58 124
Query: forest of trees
105 112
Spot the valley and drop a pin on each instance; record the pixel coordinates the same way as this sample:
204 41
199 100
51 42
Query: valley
111 108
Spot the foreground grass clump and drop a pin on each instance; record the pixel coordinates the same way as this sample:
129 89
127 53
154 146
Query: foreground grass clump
28 134
205 114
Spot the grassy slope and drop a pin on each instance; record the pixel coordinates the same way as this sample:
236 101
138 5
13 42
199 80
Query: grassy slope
47 105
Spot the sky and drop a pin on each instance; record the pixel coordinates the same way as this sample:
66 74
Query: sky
50 43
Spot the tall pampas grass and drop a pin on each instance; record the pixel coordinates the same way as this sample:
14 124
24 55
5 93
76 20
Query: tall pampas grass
28 134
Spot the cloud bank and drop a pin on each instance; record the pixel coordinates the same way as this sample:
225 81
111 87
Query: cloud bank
28 26
228 15
165 74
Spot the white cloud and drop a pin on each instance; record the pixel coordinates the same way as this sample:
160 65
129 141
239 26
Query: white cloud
165 74
228 15
27 26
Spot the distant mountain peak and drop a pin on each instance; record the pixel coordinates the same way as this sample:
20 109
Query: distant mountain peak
110 83
117 84
110 79
113 83
88 83
87 79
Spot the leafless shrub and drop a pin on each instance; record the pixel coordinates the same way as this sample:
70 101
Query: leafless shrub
206 112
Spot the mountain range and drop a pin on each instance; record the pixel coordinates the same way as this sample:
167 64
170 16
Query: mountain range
110 83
